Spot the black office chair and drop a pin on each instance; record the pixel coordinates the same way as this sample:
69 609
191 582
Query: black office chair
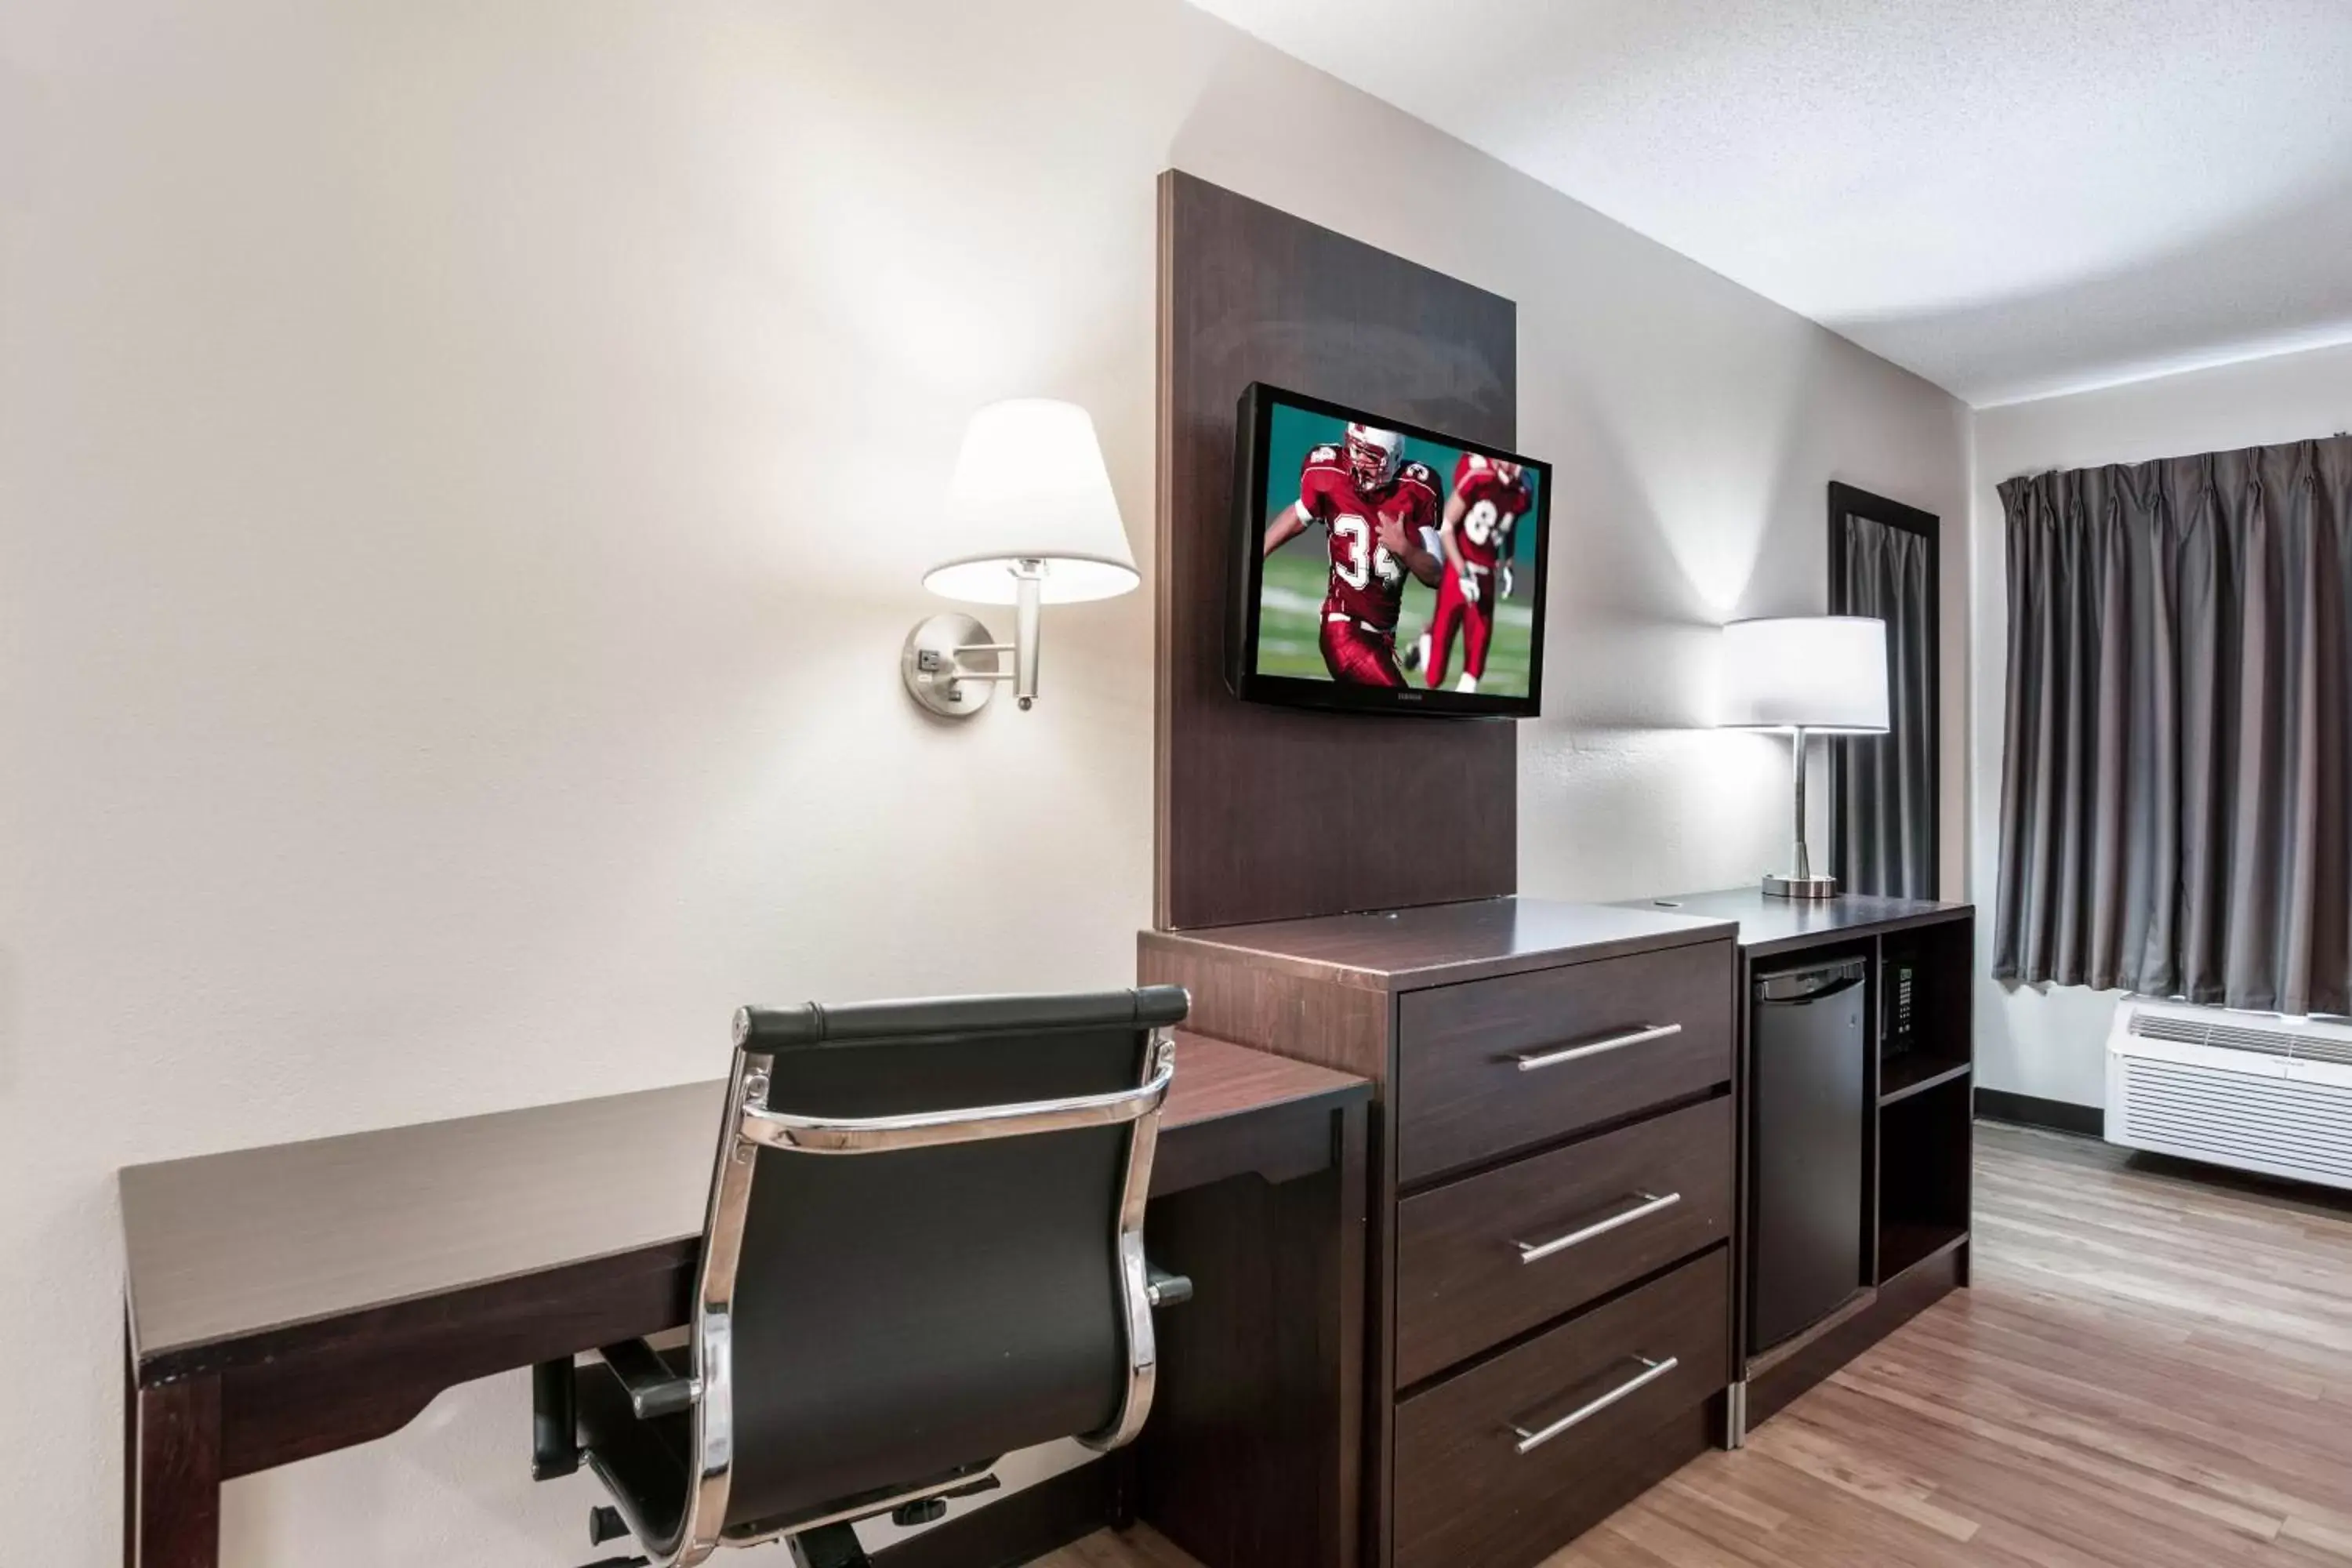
923 1249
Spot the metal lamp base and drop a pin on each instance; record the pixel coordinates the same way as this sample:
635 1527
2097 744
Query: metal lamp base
948 663
1797 885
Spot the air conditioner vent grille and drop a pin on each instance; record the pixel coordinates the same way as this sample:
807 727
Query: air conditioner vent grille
2197 1032
2235 1118
2299 1045
2310 1049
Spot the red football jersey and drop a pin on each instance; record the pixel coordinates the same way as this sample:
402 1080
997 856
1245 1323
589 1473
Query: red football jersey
1495 507
1367 582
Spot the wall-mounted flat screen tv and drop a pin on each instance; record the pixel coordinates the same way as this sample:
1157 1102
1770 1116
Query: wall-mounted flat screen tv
1380 567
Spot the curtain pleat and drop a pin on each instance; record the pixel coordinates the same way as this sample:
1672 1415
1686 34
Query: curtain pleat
2178 729
1887 783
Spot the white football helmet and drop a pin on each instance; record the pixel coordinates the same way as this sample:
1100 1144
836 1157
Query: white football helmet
1374 455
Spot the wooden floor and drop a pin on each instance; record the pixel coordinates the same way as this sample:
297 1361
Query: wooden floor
2153 1369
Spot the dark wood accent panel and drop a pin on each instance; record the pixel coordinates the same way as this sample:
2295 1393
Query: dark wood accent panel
1898 1301
1253 1450
1021 1526
175 1491
1462 1286
1264 811
1464 1494
1462 1096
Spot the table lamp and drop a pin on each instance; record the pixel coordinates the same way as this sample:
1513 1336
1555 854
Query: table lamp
1035 523
1813 675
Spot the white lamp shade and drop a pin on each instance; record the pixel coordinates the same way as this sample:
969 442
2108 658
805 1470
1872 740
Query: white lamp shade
1811 673
1030 485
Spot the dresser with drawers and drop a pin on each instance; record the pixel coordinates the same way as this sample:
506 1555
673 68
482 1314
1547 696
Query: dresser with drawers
1549 1330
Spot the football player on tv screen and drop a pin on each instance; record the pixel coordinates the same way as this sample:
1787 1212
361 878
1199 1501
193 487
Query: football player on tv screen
1376 506
1489 497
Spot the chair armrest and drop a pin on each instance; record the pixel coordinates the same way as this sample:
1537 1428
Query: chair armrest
1162 1289
654 1387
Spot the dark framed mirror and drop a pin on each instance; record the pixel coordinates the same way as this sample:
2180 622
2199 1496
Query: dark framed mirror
1885 831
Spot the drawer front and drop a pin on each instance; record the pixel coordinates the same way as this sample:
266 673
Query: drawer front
1466 1491
1496 1065
1493 1256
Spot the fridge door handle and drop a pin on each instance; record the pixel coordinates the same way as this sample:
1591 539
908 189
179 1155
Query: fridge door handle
1799 998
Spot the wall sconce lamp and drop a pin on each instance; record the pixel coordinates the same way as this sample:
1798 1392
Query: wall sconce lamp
1032 508
1811 674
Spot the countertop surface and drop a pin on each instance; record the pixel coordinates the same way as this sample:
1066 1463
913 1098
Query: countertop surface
1767 922
1438 944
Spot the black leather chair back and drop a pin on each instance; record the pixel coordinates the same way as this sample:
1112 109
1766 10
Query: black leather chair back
910 1315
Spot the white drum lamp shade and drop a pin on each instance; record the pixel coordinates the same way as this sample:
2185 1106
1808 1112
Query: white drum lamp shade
1823 673
1030 486
1811 674
1032 521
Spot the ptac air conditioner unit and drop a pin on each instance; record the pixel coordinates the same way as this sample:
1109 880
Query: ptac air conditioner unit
2254 1091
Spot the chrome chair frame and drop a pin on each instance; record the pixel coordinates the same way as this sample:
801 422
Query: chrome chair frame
752 1124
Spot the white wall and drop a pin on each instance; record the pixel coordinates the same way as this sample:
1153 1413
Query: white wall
2050 1040
464 473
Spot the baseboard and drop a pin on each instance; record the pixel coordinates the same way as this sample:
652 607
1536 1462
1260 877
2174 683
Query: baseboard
2032 1110
1021 1526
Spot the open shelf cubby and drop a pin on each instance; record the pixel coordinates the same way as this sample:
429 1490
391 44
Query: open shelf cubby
1924 975
1924 1150
1902 1076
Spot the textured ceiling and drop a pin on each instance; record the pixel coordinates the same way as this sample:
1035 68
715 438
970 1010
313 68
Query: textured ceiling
2011 198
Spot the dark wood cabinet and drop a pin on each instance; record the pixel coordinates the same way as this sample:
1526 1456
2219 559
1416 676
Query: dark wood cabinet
1912 1151
1553 1176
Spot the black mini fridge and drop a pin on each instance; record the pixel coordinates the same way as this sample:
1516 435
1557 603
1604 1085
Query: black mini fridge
1808 1056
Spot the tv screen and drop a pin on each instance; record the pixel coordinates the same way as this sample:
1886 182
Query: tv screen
1381 567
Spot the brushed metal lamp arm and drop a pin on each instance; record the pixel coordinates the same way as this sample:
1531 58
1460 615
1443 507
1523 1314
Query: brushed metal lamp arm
1801 881
1804 866
952 667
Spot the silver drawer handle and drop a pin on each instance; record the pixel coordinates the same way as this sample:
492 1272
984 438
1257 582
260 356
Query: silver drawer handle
1536 1251
1614 1043
1530 1441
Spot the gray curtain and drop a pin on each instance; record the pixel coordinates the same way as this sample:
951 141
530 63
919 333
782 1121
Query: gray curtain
2173 782
1887 783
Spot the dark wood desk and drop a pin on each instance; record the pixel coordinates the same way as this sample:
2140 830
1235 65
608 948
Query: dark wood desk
286 1302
